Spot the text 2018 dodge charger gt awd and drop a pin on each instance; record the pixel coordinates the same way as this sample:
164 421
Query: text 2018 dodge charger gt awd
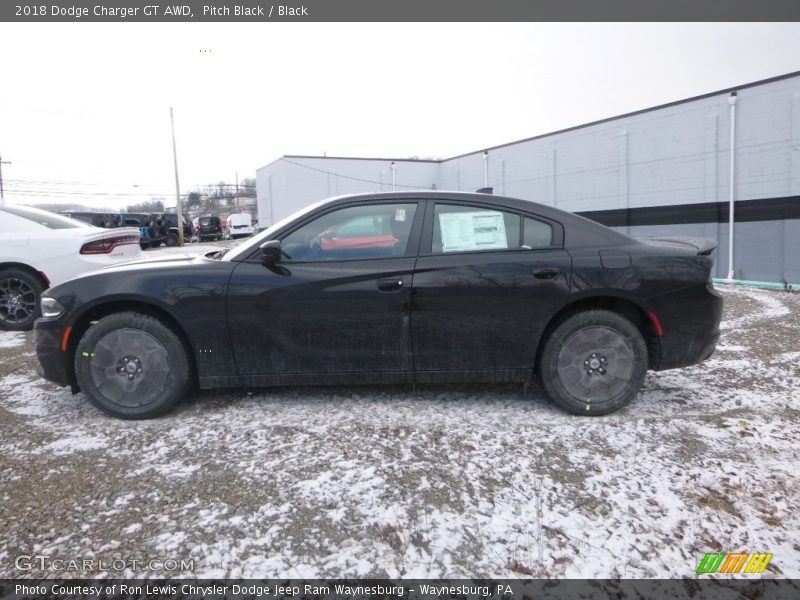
391 288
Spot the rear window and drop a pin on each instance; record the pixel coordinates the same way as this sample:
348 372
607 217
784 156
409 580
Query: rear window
43 218
172 219
537 234
206 221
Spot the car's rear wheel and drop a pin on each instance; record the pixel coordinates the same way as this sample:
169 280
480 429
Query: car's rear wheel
20 293
172 239
132 365
593 363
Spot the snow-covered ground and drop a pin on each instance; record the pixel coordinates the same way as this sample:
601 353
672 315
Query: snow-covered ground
444 481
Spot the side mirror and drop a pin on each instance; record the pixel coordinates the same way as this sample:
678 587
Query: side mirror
271 252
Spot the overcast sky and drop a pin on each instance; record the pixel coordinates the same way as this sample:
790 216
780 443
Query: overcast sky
84 107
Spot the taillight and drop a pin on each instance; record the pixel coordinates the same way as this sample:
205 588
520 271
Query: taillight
106 245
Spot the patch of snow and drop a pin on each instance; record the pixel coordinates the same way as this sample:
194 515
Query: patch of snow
11 339
771 306
77 443
459 481
731 348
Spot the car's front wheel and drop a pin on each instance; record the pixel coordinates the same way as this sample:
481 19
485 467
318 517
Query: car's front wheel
132 366
593 363
20 293
172 239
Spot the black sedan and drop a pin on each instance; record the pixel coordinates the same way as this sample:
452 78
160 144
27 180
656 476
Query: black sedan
391 288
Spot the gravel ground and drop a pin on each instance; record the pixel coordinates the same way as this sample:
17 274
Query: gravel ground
444 481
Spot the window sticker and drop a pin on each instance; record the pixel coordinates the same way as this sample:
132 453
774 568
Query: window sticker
479 230
399 214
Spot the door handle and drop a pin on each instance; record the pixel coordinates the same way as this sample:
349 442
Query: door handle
546 273
390 284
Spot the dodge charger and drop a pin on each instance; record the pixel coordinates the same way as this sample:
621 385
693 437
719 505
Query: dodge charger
390 288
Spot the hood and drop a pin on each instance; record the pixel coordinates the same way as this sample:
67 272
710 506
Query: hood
154 263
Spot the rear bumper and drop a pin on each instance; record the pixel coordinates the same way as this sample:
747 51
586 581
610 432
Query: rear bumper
52 361
690 318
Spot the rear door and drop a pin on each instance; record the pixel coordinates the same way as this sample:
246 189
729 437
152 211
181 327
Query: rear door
486 282
340 307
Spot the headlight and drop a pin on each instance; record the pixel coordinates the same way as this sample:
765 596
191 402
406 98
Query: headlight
51 308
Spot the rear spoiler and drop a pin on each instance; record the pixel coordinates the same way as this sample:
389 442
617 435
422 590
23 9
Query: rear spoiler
703 246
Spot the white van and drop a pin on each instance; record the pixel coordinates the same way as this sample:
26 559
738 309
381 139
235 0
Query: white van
239 225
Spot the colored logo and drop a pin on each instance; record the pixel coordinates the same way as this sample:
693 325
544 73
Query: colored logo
737 562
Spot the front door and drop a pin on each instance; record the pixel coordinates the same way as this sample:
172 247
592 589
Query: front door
337 303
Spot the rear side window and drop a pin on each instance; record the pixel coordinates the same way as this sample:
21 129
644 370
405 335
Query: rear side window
470 229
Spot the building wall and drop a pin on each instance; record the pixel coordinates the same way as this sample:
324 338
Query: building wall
293 182
659 171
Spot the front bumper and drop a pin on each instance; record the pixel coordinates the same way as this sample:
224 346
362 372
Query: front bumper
47 337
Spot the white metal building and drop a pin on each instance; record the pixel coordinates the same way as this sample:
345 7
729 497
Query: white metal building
662 170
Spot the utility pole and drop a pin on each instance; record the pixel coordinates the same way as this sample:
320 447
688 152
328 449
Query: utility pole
178 203
236 202
2 162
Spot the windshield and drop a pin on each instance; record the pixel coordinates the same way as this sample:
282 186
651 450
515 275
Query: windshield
256 241
44 218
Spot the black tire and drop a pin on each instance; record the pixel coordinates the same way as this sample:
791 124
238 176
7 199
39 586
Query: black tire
132 366
593 363
20 292
172 240
155 244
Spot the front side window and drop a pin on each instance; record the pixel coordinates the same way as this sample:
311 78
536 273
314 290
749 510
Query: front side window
356 232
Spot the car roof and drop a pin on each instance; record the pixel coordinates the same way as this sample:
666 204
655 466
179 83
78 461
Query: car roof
491 199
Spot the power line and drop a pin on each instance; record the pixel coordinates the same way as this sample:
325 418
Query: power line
47 188
323 171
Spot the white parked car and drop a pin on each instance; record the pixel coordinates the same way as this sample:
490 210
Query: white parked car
239 225
39 249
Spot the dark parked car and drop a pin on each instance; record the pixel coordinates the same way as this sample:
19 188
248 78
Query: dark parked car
208 228
147 225
107 220
471 288
168 228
